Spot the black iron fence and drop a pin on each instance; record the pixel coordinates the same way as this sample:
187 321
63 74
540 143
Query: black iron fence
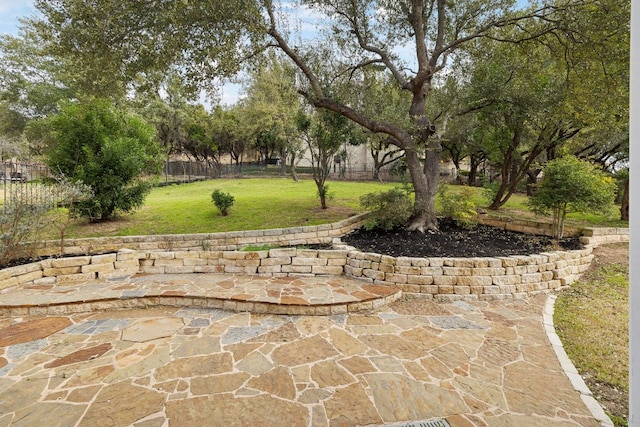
23 181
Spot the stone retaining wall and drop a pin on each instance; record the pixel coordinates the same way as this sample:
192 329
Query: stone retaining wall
600 236
440 278
588 236
472 278
520 225
229 241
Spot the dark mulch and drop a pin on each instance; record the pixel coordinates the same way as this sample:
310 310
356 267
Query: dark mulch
453 241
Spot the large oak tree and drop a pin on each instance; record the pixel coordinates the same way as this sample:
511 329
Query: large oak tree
110 42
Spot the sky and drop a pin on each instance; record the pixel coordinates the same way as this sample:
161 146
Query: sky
10 11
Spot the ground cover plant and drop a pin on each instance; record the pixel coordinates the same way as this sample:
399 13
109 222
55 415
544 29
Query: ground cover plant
592 319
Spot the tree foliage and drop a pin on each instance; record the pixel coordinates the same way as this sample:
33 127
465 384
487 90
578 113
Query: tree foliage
107 45
204 40
325 132
572 185
270 104
109 150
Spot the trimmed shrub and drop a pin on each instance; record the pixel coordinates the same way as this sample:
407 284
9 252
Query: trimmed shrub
389 209
222 200
458 207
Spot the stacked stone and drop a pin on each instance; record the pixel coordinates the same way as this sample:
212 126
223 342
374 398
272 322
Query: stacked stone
274 262
599 236
471 278
60 270
229 241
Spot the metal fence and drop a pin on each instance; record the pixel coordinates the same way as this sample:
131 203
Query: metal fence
23 181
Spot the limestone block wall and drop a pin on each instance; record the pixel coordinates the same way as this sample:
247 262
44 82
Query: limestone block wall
472 278
588 236
600 236
440 278
529 226
226 241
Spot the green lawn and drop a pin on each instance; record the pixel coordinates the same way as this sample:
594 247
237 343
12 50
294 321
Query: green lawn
262 203
592 320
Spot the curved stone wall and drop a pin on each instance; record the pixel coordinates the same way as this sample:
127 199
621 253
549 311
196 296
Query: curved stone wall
472 278
440 278
229 241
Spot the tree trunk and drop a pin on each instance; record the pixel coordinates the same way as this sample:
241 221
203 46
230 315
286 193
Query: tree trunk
294 173
624 206
532 180
425 185
283 161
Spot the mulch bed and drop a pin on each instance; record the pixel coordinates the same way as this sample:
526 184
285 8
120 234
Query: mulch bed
453 241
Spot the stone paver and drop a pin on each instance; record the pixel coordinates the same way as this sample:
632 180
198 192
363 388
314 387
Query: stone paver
312 295
469 364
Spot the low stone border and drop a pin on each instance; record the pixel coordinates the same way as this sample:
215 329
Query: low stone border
569 368
229 241
440 278
589 236
599 236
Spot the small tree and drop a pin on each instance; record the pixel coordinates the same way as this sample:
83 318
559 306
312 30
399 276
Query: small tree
222 200
571 185
325 132
108 150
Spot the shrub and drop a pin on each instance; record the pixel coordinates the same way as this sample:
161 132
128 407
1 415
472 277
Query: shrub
389 209
20 223
490 190
222 200
107 149
458 206
571 185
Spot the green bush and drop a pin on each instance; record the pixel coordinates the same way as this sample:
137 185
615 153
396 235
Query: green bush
458 206
20 223
490 190
571 185
389 209
222 200
107 149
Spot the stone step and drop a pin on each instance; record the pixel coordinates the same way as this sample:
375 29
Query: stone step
304 295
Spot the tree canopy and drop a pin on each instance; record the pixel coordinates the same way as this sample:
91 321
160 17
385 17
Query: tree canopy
350 56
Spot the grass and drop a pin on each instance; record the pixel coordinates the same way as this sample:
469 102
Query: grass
260 203
592 321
